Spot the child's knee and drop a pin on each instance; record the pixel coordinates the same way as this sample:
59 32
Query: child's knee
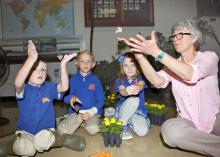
69 124
24 146
132 103
133 100
44 140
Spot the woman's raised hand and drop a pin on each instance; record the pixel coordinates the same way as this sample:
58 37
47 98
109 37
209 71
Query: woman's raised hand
142 45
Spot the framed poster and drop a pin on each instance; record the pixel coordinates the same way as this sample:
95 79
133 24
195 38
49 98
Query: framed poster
37 18
119 12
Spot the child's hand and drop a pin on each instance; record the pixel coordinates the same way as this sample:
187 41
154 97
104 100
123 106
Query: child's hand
67 57
74 100
133 90
32 52
85 116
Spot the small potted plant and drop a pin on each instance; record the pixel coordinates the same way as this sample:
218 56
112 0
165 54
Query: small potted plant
111 100
156 113
111 129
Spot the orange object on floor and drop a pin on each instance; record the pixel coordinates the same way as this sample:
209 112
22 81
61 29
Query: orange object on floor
102 153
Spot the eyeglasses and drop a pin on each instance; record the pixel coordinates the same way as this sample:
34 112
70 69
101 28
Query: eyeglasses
178 36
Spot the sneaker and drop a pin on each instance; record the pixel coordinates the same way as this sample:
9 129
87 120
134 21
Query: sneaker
126 135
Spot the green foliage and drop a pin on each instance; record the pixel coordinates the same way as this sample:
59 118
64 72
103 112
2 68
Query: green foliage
207 29
156 109
107 72
121 46
111 126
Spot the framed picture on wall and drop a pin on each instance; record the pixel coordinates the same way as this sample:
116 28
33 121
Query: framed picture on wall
37 18
209 8
119 13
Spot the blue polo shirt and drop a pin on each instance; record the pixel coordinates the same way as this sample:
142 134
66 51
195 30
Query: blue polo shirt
36 110
141 109
89 90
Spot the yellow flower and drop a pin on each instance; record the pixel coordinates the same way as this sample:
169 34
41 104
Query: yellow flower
119 123
111 126
108 96
120 120
113 120
106 120
112 98
113 95
107 123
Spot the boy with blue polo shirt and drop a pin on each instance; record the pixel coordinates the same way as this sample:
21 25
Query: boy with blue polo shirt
36 123
86 97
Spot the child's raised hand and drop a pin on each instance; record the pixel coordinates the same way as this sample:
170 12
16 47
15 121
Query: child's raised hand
32 52
67 57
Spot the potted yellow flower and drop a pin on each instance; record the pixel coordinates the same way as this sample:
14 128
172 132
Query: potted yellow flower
111 129
156 113
110 101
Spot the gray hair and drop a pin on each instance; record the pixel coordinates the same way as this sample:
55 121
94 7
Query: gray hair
192 27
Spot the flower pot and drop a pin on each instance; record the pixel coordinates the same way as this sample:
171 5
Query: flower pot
106 140
112 140
156 120
118 140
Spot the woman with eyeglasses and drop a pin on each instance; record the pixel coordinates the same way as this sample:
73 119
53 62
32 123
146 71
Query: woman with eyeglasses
194 85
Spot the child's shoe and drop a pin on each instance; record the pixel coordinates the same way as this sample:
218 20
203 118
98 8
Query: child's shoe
126 135
6 149
74 142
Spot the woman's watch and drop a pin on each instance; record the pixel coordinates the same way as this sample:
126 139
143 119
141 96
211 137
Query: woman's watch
160 56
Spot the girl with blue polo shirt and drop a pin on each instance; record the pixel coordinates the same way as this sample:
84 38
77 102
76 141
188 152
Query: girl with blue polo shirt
86 98
36 123
130 107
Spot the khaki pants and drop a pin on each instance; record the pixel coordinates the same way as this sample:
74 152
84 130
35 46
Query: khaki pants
72 122
182 133
27 144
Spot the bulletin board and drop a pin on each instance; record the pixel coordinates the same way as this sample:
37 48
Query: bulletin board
119 13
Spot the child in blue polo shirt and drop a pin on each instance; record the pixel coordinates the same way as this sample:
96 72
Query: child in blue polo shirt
36 123
86 97
130 107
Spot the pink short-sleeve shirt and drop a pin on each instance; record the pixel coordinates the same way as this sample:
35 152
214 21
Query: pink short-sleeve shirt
197 100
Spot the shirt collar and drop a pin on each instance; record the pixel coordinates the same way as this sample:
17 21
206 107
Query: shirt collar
34 85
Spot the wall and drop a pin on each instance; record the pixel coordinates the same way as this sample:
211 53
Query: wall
166 13
164 18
